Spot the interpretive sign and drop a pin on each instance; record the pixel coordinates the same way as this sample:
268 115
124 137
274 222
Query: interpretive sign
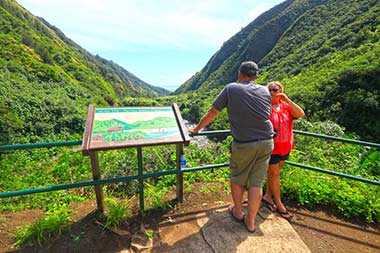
111 128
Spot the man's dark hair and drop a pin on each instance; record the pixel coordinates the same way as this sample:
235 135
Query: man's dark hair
249 68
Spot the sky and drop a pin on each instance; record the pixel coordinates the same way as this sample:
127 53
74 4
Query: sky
162 42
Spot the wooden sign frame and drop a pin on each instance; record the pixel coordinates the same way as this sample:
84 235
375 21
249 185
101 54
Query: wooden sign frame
122 127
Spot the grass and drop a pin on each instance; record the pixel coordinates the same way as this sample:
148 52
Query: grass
55 221
150 234
209 188
117 212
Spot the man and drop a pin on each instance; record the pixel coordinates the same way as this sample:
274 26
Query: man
249 107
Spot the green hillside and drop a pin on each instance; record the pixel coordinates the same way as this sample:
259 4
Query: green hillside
47 80
329 60
253 42
325 52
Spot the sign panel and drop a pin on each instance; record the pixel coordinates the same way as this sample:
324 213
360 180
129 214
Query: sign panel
110 128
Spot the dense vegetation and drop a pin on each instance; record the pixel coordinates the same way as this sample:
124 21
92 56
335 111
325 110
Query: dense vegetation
325 52
329 62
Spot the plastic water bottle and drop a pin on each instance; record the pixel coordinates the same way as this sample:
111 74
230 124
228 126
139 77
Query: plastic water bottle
182 160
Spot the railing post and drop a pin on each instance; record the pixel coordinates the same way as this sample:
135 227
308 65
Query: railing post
141 182
96 176
179 175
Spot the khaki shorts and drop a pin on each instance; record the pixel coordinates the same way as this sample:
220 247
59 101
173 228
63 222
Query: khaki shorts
249 162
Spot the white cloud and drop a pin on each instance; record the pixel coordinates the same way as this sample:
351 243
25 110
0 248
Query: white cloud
185 76
171 23
165 24
255 12
179 35
260 8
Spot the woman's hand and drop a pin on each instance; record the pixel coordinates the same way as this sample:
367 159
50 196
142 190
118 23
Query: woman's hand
297 111
282 97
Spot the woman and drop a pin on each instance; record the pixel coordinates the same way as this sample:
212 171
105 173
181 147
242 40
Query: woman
283 112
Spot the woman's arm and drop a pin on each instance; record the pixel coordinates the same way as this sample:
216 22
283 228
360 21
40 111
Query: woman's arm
297 112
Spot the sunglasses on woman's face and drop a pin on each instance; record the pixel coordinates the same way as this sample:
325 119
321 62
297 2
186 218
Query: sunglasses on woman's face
273 90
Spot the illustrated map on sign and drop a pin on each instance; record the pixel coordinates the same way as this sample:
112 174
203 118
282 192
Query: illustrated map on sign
136 125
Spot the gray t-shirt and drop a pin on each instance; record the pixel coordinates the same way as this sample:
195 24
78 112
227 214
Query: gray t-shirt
248 106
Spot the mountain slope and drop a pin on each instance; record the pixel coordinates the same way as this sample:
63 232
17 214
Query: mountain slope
325 52
252 43
47 80
329 62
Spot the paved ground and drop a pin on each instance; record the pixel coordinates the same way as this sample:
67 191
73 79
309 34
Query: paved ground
216 231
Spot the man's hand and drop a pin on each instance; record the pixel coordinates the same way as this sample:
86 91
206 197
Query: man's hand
193 130
205 120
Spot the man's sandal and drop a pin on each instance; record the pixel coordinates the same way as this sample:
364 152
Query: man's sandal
246 226
231 212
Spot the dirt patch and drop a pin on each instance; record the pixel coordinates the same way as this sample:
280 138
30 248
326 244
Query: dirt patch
325 231
10 222
321 230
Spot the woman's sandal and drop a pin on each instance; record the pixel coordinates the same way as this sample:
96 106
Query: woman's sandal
269 205
231 211
286 215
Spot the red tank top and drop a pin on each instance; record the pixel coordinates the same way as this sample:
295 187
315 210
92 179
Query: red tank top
282 121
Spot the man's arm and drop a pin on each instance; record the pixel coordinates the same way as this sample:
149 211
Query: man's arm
206 119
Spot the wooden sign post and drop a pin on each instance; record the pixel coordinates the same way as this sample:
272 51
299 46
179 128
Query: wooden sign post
126 127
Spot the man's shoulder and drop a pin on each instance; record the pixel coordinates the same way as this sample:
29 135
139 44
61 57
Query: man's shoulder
252 84
261 87
237 85
232 84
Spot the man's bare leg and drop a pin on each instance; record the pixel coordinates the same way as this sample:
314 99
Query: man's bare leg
237 192
254 198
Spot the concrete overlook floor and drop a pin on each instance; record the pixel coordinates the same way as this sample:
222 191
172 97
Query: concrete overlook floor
216 231
200 224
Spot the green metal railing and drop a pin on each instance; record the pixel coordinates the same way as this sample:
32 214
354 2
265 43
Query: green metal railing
141 176
40 145
327 137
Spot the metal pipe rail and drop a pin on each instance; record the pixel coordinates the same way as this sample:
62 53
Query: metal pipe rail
41 145
328 137
323 136
108 180
360 179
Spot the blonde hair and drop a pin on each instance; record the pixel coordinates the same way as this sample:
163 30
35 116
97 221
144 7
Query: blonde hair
276 83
